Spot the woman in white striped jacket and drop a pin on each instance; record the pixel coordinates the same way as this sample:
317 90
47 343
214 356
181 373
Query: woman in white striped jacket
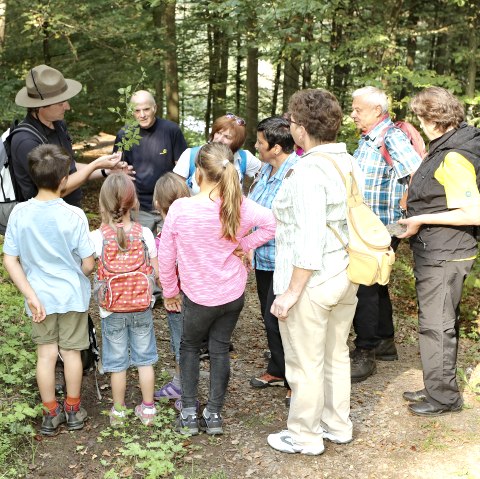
315 301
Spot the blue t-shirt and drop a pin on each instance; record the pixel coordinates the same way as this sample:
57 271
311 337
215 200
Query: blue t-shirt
51 238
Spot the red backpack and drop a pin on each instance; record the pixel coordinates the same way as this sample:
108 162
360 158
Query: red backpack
124 279
410 132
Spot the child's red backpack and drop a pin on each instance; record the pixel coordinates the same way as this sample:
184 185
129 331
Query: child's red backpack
411 133
124 279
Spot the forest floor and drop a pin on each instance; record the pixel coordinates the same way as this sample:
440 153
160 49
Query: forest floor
388 441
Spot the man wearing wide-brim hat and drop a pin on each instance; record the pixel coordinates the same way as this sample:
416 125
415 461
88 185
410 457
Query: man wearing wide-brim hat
45 95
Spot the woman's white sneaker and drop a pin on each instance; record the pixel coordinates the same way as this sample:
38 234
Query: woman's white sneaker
283 442
336 439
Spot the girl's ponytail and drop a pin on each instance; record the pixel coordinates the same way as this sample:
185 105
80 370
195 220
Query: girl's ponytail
216 162
231 196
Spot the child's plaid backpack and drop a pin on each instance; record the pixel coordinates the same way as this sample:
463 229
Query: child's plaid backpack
124 279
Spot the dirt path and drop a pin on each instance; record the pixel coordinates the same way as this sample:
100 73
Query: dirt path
388 441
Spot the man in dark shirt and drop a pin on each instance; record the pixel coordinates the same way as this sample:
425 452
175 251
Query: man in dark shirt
161 145
46 96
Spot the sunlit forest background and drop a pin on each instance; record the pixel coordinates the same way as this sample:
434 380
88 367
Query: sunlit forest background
203 58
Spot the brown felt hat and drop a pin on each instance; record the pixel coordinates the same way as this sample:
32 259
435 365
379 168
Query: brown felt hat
46 86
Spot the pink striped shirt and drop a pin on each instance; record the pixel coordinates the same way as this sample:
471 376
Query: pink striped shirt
210 273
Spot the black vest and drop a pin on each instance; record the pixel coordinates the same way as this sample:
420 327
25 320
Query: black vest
426 196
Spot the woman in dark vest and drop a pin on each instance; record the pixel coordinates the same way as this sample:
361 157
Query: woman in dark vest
443 208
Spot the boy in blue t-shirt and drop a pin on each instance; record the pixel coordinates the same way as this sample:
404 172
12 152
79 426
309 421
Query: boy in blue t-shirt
48 254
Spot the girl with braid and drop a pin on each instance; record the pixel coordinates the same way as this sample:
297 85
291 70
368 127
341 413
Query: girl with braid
208 235
128 337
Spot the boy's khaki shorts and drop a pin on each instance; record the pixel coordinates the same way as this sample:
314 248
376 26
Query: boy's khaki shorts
69 330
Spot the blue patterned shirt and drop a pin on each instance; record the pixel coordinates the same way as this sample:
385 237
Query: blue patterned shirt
383 191
263 191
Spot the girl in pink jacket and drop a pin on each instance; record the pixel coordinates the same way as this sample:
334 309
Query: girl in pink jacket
208 235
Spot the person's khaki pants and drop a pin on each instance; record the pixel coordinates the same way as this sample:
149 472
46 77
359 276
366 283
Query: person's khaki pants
317 360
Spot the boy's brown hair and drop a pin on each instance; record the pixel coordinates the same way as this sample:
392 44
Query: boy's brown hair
48 165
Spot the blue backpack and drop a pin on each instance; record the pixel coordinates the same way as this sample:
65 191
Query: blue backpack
193 154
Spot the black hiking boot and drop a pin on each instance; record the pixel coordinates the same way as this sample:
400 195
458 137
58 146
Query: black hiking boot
386 350
362 364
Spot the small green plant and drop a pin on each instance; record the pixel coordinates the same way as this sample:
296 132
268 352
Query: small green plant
124 114
435 432
18 398
471 378
151 455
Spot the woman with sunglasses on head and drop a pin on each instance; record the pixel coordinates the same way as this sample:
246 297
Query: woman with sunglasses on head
230 130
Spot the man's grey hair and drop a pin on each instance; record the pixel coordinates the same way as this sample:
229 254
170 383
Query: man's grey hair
143 95
374 96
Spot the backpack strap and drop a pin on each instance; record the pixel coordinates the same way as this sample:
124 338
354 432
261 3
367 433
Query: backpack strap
136 231
243 162
27 127
354 197
108 232
383 148
411 134
335 232
191 169
7 143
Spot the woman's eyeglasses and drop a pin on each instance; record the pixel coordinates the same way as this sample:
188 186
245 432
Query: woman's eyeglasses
239 121
288 117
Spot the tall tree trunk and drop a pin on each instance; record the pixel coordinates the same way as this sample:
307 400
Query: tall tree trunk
238 77
411 39
276 86
441 62
472 54
411 26
332 48
291 76
440 58
251 116
3 12
221 46
338 70
157 14
211 79
391 21
46 44
307 61
171 69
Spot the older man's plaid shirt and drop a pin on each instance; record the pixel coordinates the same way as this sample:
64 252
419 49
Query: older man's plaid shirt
382 189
